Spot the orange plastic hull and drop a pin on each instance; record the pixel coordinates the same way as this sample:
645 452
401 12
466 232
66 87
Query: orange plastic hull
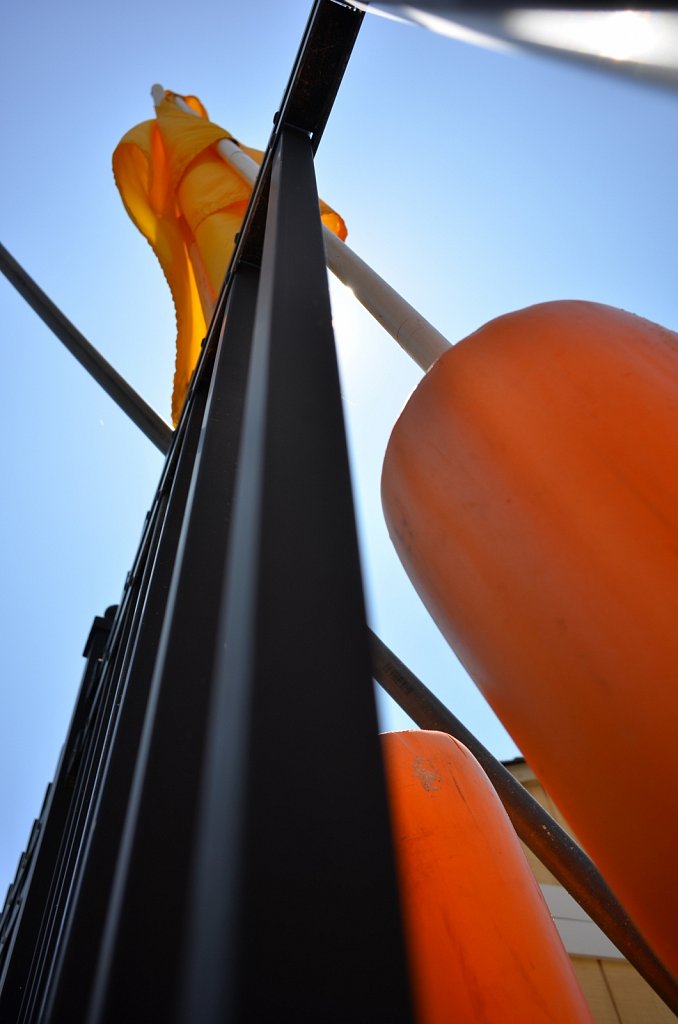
531 489
482 945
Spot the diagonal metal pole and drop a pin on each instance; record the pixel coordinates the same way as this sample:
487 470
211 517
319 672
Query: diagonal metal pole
115 386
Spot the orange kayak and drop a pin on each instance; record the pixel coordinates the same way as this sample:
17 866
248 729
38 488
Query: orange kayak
482 944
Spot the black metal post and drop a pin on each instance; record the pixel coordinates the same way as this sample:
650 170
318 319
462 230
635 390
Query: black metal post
296 909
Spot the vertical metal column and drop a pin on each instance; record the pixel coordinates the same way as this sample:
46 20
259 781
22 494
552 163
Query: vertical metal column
296 911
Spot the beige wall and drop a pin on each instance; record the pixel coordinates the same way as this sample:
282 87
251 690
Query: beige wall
615 991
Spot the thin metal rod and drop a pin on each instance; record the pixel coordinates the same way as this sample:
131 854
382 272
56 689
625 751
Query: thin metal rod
548 841
115 386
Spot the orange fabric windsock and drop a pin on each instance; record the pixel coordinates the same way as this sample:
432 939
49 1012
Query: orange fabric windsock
189 204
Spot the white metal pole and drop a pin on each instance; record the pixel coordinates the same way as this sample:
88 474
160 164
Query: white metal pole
415 335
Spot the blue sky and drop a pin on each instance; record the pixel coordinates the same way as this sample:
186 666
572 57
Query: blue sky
475 181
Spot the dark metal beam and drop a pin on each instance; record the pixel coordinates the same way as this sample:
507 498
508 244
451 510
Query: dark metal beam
318 70
296 898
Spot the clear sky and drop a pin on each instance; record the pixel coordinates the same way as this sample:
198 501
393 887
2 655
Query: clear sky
475 181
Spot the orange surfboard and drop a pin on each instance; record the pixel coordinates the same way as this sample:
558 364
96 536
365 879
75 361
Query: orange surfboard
530 487
482 945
